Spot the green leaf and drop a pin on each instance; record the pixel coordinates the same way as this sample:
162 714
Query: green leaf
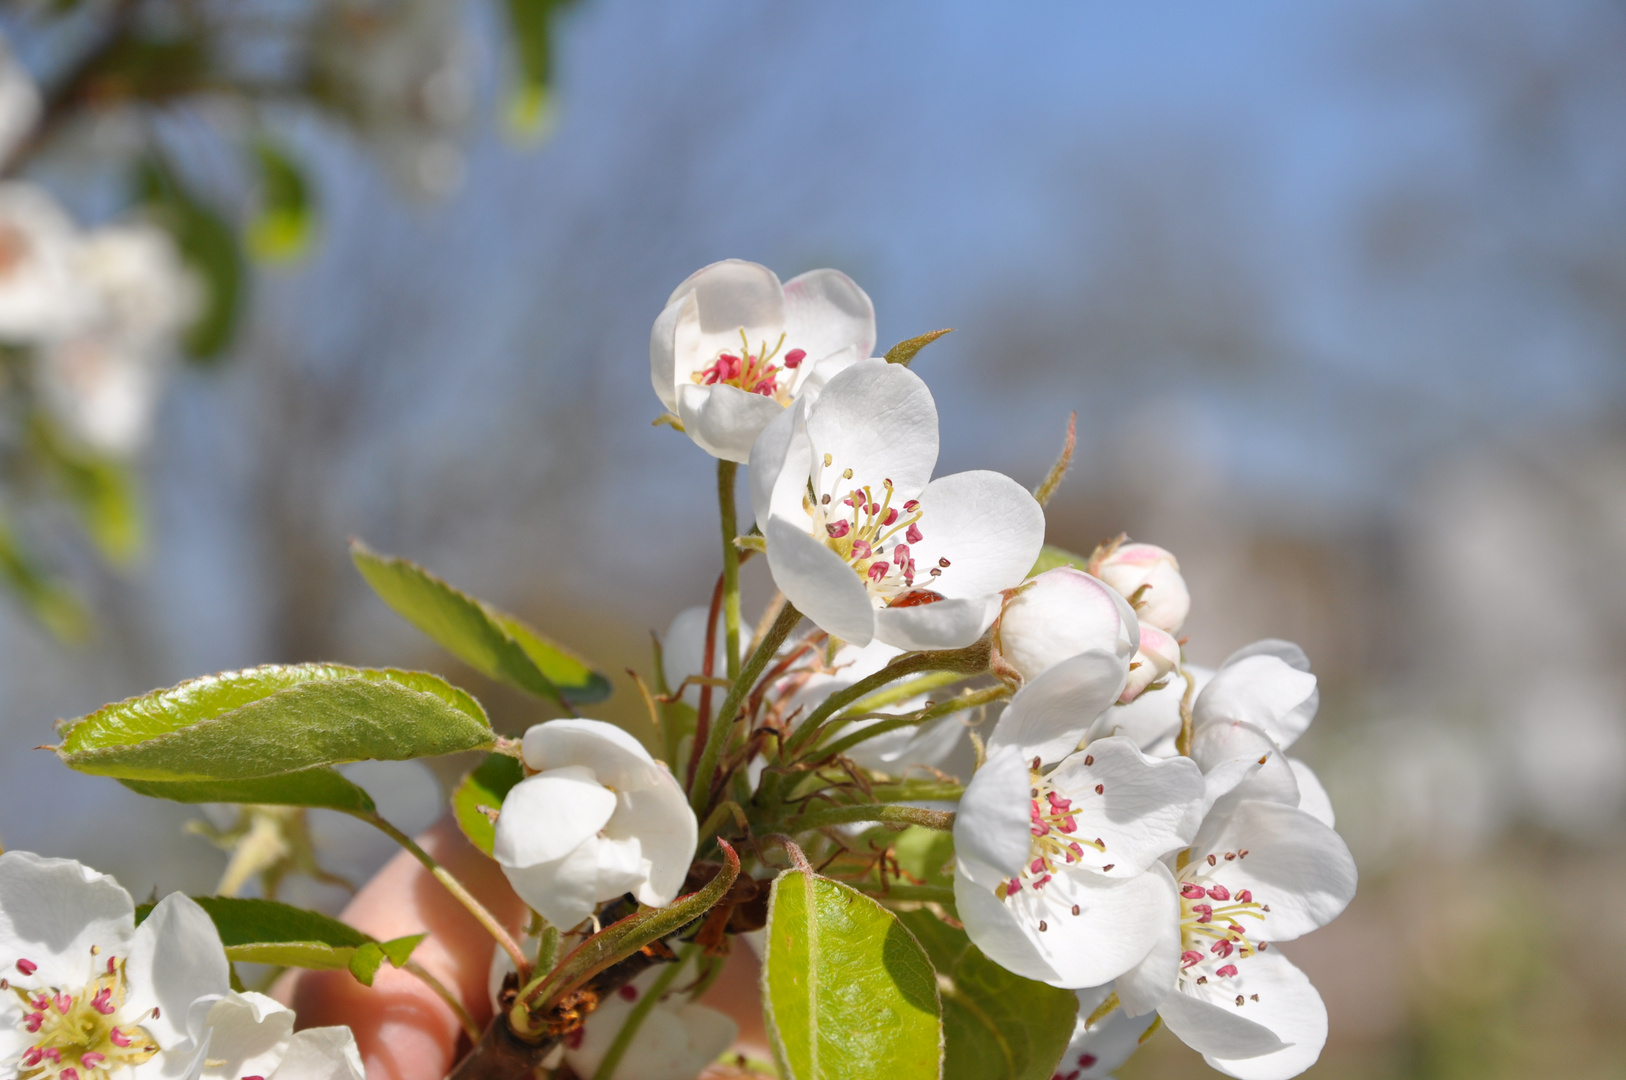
924 854
1051 557
368 958
101 489
47 599
275 719
271 932
286 222
492 642
209 245
904 351
996 1025
319 787
485 786
848 993
531 35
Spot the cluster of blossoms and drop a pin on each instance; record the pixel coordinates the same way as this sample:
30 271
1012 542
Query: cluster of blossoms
100 309
88 994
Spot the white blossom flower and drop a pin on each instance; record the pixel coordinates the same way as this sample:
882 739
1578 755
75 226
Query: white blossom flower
1061 613
20 102
87 993
41 294
599 818
683 651
1130 568
733 347
1097 1049
866 544
676 1041
1267 684
1057 877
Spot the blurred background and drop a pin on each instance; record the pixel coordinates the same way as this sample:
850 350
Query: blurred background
1337 290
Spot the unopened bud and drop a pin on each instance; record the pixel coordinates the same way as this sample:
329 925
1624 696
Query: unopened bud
1158 655
1164 603
1059 614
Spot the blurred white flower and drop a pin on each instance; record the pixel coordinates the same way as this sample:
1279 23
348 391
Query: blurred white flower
1061 613
20 102
1098 1049
733 347
88 994
683 651
42 296
599 818
1131 568
879 550
677 1039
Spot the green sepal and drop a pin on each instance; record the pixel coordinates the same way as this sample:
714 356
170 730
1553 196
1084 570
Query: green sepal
904 351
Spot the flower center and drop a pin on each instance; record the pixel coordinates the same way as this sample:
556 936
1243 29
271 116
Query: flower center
1055 837
1212 934
79 1035
859 523
753 372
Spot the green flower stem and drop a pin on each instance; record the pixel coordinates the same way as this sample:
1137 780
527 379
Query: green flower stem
924 716
972 660
918 791
700 782
635 1018
456 888
470 1028
726 473
942 820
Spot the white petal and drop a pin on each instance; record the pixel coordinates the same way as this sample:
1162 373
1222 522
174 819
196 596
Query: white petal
992 823
1145 808
769 455
1313 797
1143 987
1165 601
1285 651
1149 719
1048 717
616 758
995 929
928 745
683 651
1120 921
725 421
659 816
879 420
826 312
1262 690
1059 614
819 583
946 624
728 296
324 1053
547 816
1211 1029
564 891
619 865
175 959
248 1034
1096 1051
1294 863
1240 762
986 524
1288 1007
51 912
662 341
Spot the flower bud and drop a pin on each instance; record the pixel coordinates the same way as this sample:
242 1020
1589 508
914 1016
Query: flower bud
1158 655
1059 614
1165 603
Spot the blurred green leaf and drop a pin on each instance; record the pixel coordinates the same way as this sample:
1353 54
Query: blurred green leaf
530 33
103 490
848 992
275 719
210 247
46 599
492 642
1051 557
286 222
996 1025
319 787
487 785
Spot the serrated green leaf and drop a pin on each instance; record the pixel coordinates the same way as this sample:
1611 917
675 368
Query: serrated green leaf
1051 557
486 785
904 351
276 719
491 641
319 787
996 1025
271 932
399 950
285 224
848 993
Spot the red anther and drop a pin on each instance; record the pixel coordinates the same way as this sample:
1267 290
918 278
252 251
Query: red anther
103 1002
1219 892
874 508
794 358
1057 803
1235 929
1039 830
1037 866
1076 849
64 1002
112 969
1069 824
900 553
1222 948
1086 1060
766 388
1245 896
943 562
1035 763
911 506
573 1041
629 992
1089 759
1100 789
839 529
253 1078
861 549
1033 810
1108 867
1192 891
912 534
33 1022
1227 970
1205 912
119 1038
32 1057
891 515
877 571
54 1054
1189 957
1041 882
27 967
41 1003
93 1060
1014 885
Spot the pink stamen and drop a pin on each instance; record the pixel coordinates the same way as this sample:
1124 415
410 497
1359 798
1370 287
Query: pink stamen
103 1002
1041 882
54 1054
1219 892
1222 948
1192 892
839 529
861 549
64 1002
1057 803
119 1038
1078 851
913 534
1189 957
1227 970
794 358
27 967
877 571
32 1057
911 506
92 1060
891 516
1013 885
629 992
1086 1060
1037 866
1245 896
34 1021
1205 912
111 965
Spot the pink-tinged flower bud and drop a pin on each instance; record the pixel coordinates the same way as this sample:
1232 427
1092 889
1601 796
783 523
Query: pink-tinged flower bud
1060 614
1158 655
1165 603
